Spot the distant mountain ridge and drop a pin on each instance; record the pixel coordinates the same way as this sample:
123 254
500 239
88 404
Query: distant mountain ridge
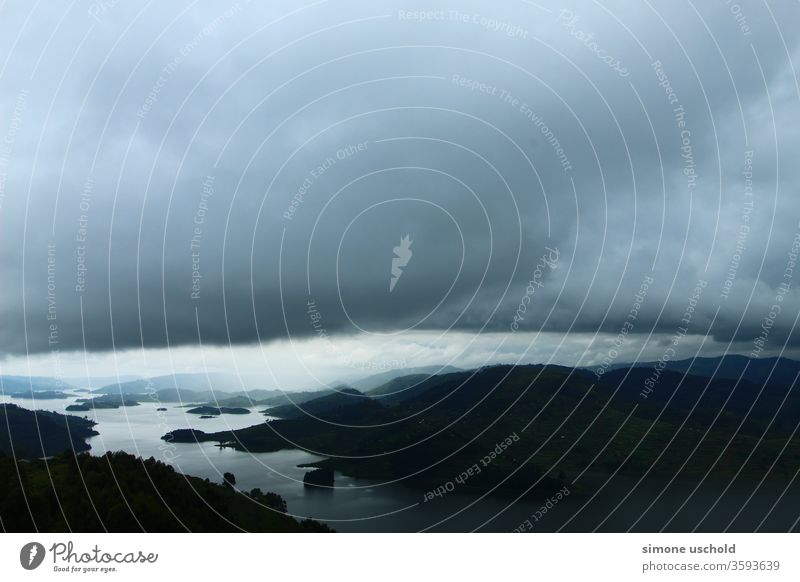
782 371
339 405
212 382
376 380
11 384
565 420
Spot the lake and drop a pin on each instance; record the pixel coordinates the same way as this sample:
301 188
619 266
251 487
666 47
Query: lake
357 505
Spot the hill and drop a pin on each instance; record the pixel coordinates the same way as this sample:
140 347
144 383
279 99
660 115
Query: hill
339 406
11 384
40 395
375 380
101 402
404 388
122 493
25 434
206 384
564 423
781 371
216 411
701 401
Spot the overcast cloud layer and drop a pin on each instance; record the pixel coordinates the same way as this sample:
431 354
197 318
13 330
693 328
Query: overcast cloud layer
235 173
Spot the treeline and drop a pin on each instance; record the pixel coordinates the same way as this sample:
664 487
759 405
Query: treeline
29 434
119 492
568 421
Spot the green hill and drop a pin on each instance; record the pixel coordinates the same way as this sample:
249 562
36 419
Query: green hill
565 421
25 434
122 493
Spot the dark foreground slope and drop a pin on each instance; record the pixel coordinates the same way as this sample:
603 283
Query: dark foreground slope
122 493
25 434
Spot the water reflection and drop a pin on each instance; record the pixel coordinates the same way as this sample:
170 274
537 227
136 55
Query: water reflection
361 505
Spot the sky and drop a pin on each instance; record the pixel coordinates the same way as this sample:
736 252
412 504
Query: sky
303 192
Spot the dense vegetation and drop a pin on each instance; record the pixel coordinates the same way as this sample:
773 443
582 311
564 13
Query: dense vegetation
26 434
106 401
122 493
334 406
216 411
566 420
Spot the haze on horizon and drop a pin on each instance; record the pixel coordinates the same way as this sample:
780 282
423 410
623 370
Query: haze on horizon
198 187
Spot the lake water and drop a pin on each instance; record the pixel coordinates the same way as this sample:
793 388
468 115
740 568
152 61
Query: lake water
360 505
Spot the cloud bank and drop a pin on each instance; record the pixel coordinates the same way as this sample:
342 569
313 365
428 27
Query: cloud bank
234 174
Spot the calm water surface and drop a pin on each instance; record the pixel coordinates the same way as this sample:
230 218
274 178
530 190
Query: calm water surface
361 505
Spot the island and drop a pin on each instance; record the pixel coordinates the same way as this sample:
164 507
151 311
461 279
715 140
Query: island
101 402
448 429
318 478
216 411
40 395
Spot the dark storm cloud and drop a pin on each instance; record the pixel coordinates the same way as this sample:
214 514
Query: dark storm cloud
232 172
